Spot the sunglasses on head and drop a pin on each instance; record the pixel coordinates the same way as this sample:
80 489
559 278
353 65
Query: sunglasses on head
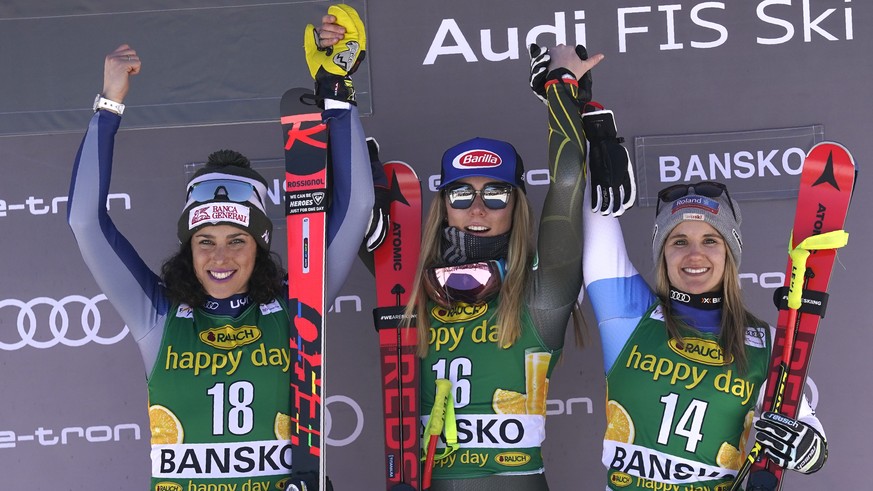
231 190
708 189
495 196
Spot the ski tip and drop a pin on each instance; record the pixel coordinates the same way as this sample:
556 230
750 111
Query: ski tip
830 146
399 163
838 165
293 101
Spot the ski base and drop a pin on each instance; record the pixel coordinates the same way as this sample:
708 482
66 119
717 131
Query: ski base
305 138
826 187
396 261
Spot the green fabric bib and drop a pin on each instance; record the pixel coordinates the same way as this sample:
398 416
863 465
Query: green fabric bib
677 411
499 394
219 401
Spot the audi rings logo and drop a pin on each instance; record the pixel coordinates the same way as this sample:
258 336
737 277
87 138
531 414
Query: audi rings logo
45 322
349 420
680 297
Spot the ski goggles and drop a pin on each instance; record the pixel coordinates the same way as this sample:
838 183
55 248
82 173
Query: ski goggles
224 189
708 189
494 196
469 283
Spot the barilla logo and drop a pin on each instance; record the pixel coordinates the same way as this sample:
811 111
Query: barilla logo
477 159
461 312
701 202
215 212
168 486
512 459
620 479
699 350
229 337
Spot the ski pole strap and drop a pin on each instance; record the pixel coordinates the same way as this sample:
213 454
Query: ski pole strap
812 301
800 253
442 418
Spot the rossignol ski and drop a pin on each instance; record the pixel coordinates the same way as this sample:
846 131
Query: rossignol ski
305 137
826 185
395 263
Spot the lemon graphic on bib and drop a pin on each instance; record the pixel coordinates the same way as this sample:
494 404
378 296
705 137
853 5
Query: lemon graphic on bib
508 402
282 426
619 425
165 426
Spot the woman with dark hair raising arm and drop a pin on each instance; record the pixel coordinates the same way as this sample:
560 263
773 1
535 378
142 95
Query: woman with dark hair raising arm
213 329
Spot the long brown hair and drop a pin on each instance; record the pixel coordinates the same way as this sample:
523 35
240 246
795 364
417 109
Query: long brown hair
518 263
734 316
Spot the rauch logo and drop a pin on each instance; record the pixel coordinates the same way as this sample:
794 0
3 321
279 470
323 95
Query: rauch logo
229 337
460 312
704 351
512 459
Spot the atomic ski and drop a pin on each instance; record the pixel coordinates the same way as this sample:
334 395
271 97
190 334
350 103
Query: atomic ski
395 263
305 137
826 185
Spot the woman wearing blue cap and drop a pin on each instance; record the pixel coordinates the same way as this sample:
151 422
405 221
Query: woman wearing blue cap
492 308
685 361
213 329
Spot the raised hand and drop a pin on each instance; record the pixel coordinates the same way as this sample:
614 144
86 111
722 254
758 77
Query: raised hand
118 67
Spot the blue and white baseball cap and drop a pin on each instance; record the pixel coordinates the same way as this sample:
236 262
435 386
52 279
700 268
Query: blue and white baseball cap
482 157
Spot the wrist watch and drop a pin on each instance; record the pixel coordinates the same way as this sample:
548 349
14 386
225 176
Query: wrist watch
101 102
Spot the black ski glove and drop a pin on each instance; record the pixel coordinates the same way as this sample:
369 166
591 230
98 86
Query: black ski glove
377 229
379 219
539 69
540 74
613 186
586 82
790 443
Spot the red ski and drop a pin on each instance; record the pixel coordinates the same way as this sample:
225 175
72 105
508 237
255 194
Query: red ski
826 185
395 263
305 138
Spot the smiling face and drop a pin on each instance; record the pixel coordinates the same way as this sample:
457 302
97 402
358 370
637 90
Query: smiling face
695 255
478 219
224 258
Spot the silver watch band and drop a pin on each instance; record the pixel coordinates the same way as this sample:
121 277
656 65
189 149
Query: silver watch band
101 102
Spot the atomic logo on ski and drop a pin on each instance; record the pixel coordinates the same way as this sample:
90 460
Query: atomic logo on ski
395 192
827 176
